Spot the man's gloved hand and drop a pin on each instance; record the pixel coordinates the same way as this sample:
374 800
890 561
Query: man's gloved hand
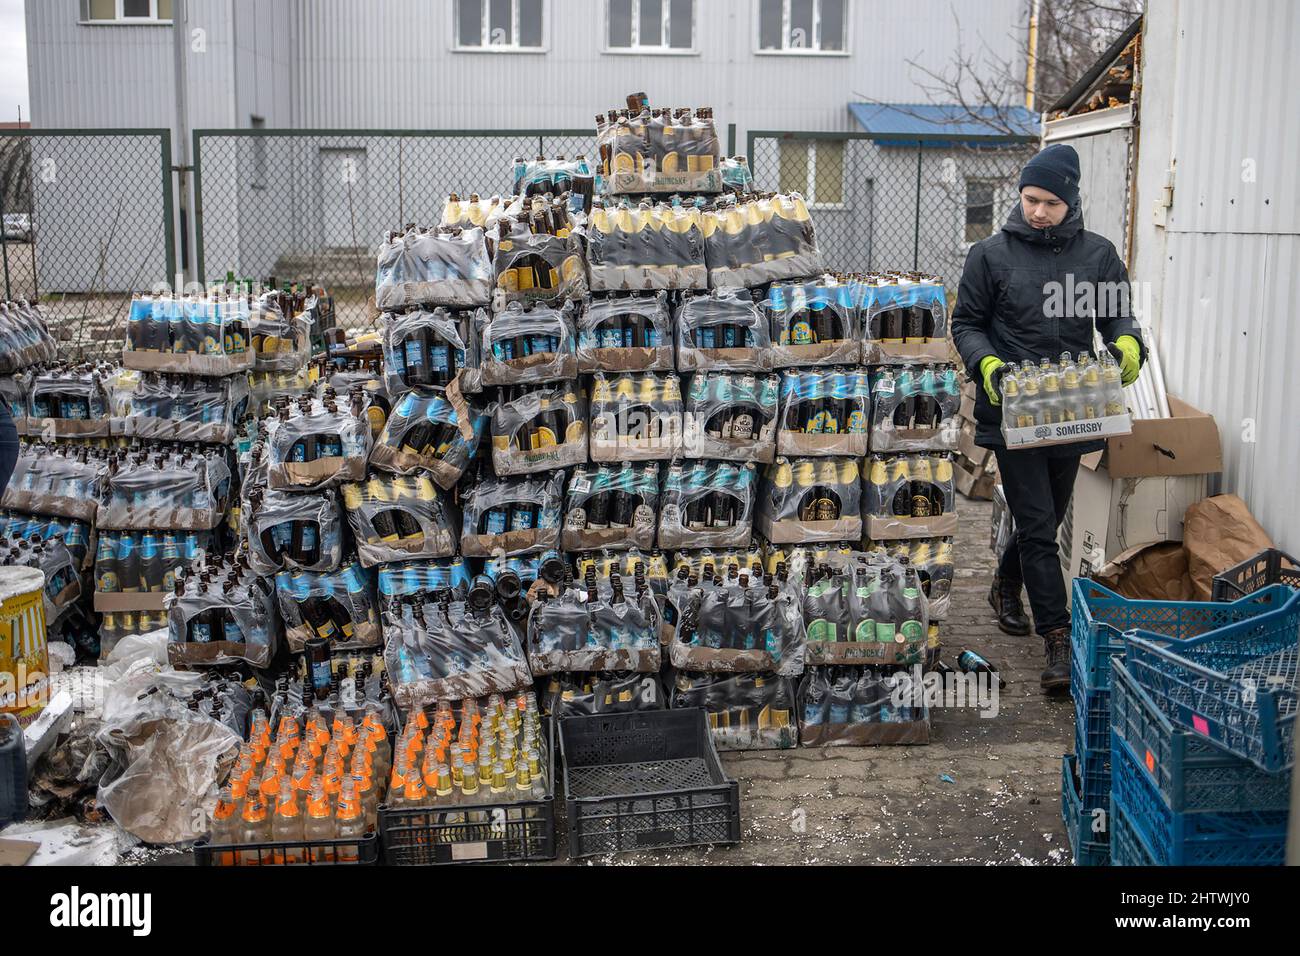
989 366
1130 358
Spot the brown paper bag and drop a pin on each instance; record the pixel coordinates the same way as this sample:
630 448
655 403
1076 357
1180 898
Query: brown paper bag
1218 533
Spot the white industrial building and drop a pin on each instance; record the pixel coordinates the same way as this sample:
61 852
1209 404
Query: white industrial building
475 65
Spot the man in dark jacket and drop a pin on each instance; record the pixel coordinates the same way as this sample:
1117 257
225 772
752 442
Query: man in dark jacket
1018 302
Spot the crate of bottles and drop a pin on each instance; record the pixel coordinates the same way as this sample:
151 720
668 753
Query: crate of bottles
596 628
645 247
67 402
1235 686
864 609
506 816
539 429
812 322
183 408
432 267
1203 838
904 317
849 706
1059 403
745 711
644 150
708 504
636 418
530 344
1270 566
738 624
751 241
428 430
805 500
432 348
909 496
611 507
1090 845
824 412
915 408
537 258
195 335
362 851
58 480
731 416
625 333
1190 772
400 519
722 330
339 606
645 781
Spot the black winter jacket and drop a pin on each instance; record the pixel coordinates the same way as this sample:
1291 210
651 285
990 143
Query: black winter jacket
1008 307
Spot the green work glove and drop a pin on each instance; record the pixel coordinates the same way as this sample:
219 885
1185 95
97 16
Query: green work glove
989 366
1130 358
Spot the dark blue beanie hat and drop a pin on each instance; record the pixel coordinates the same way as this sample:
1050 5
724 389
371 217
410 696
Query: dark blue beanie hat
1055 169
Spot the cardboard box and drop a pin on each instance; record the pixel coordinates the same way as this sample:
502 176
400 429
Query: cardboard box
880 528
1108 517
1066 433
972 452
973 484
1187 443
967 408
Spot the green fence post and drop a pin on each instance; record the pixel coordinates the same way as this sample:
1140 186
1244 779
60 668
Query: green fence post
196 158
169 215
916 222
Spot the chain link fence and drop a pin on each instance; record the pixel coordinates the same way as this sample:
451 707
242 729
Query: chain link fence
87 222
911 205
314 205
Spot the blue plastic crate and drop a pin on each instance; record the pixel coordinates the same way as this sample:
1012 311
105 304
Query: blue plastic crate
1247 838
1091 713
1235 686
1126 847
1093 769
1088 847
1190 772
1098 616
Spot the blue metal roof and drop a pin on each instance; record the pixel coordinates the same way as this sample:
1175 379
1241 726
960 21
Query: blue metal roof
941 124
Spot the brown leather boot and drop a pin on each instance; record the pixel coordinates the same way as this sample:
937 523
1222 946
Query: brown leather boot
1056 675
1004 598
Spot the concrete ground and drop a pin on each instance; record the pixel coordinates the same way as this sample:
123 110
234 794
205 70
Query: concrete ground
984 791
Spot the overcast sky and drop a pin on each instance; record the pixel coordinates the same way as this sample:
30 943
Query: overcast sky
13 61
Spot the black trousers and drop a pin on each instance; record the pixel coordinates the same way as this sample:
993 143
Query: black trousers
1038 489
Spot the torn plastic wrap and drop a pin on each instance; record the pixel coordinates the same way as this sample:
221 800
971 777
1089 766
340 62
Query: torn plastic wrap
909 496
158 796
319 447
449 651
625 333
425 348
722 330
447 267
664 151
745 711
707 504
223 623
400 519
824 412
523 346
645 247
585 695
608 631
739 624
611 508
179 408
404 579
71 403
636 417
14 392
813 322
437 432
75 533
736 177
49 481
758 240
293 530
915 408
476 212
339 606
25 339
806 500
167 491
280 343
904 317
512 516
731 416
537 257
864 609
859 706
190 336
539 429
933 560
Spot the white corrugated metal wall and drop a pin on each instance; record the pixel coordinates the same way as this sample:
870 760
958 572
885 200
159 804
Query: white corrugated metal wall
1220 106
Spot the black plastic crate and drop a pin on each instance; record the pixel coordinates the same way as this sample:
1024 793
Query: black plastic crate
514 831
1270 566
322 853
645 781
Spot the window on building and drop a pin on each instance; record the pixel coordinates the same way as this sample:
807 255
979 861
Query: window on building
126 11
803 26
813 168
500 24
650 24
979 209
257 175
